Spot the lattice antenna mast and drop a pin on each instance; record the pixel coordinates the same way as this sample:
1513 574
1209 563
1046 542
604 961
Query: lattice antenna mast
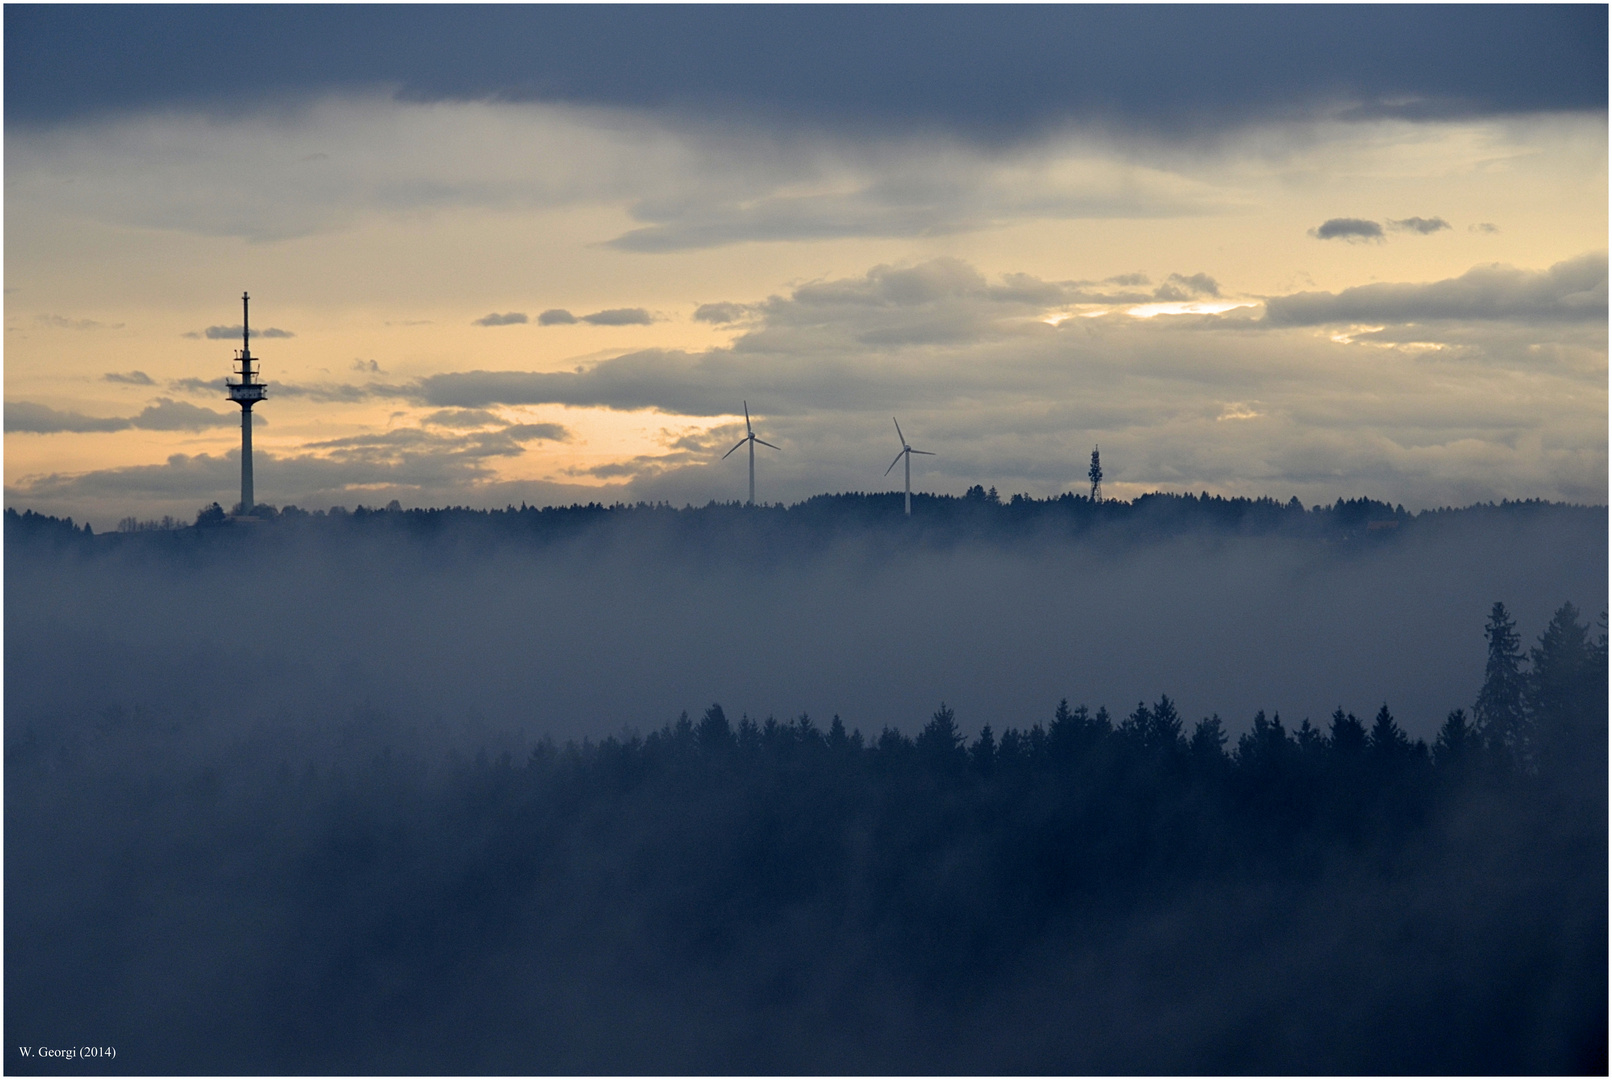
246 393
1096 474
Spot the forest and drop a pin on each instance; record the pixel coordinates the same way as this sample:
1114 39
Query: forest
356 888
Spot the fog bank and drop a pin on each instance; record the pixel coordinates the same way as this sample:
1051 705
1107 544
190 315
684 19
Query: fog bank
636 616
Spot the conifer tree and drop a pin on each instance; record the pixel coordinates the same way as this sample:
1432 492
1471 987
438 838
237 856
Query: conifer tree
1209 739
713 732
1565 696
1164 730
837 739
1387 740
1454 744
982 755
940 741
1348 734
1498 715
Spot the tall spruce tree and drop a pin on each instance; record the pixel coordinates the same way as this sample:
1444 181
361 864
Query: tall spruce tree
1498 716
1565 699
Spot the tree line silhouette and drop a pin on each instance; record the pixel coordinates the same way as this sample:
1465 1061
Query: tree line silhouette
978 514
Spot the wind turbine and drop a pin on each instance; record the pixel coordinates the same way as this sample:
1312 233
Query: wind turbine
906 452
750 437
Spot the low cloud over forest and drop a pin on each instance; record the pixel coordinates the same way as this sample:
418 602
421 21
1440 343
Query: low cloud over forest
527 620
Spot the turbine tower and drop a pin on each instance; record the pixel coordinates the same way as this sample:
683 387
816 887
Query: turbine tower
246 393
906 452
750 437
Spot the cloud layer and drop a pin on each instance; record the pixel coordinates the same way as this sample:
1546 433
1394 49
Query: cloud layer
864 67
1345 228
233 333
164 414
1484 385
1571 291
509 318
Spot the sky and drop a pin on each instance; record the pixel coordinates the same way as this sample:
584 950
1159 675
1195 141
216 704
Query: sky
550 254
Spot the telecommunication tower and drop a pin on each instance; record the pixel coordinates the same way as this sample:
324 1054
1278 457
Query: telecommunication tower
246 393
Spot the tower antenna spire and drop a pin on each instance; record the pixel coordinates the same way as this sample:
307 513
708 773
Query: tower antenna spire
246 393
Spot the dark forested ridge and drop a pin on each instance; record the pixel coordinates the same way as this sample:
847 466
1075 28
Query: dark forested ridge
935 518
297 887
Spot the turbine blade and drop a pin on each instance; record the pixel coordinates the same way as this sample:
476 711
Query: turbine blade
736 446
900 436
894 463
931 453
764 442
747 416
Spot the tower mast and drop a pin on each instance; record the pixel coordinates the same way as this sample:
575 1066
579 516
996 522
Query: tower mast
246 393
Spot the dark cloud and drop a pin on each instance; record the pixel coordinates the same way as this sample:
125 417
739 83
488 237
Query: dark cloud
165 414
693 448
233 333
332 391
132 378
43 420
198 386
1197 284
925 195
720 313
866 67
462 418
62 322
367 365
387 445
1127 279
715 222
1181 287
1028 290
524 433
556 317
1571 291
510 318
1348 228
1419 225
420 472
799 342
1081 295
620 317
1483 227
640 380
